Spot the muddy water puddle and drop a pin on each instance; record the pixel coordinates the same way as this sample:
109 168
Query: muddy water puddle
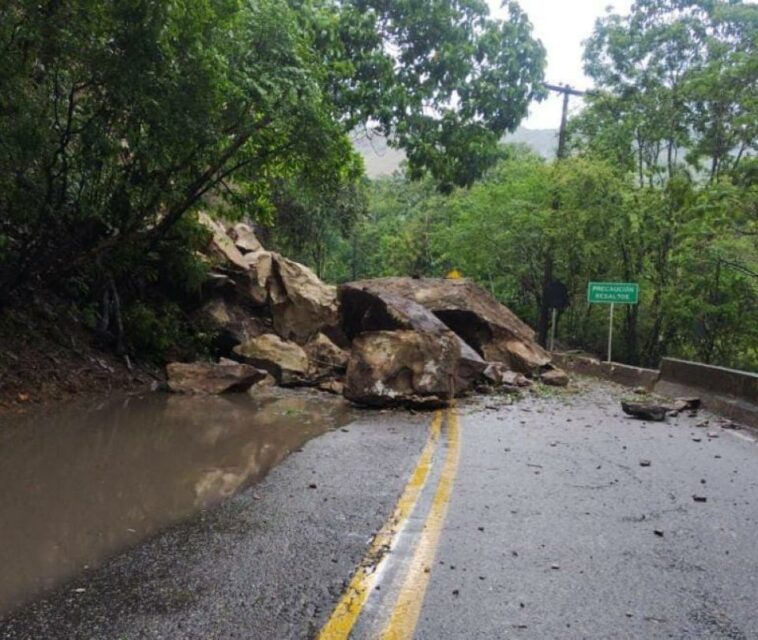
81 483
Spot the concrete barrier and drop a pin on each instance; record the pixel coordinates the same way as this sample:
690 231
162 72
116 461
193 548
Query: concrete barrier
620 373
727 392
730 382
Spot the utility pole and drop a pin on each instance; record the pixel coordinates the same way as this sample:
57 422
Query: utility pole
547 271
566 91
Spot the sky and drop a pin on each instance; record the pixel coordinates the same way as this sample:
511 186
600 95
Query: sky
562 25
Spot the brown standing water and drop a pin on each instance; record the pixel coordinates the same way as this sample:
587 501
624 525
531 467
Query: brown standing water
81 483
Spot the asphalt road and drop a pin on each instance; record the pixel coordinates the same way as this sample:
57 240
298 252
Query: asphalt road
534 520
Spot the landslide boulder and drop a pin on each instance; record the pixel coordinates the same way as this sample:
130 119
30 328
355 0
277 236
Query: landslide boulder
211 378
301 304
554 377
489 327
284 360
325 357
366 309
221 247
388 368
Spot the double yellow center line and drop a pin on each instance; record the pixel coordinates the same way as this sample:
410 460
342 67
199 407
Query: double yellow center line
405 613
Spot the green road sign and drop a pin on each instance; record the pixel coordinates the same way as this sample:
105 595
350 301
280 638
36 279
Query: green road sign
613 292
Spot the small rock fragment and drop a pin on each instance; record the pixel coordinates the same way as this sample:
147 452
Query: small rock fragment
658 532
687 404
698 498
644 463
645 411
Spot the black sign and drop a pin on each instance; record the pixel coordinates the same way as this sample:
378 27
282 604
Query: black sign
557 295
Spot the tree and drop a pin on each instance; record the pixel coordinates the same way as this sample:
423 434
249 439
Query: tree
118 118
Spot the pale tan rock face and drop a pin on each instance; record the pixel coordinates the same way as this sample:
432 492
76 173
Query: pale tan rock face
284 360
555 377
221 247
209 378
244 238
489 327
324 356
402 367
367 309
303 305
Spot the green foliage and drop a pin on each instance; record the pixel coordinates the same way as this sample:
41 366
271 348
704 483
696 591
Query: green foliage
160 331
443 80
698 295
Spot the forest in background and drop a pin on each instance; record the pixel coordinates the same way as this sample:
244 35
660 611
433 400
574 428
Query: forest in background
120 120
659 187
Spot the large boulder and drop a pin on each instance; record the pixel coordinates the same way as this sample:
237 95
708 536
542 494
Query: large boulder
284 360
366 309
259 275
388 368
210 378
301 304
489 327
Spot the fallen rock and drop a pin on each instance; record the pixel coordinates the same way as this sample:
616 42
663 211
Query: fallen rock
210 378
324 356
365 310
335 387
554 377
256 286
221 246
244 238
500 374
301 304
284 360
233 324
686 404
490 328
388 368
645 411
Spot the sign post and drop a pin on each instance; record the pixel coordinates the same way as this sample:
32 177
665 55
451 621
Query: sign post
556 298
552 329
612 293
610 334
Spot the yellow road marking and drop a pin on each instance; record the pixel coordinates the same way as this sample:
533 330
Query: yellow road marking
402 623
346 613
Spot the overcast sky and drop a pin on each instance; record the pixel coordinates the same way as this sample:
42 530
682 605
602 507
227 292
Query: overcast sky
562 25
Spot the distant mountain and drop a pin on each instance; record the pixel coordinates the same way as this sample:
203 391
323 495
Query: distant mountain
381 160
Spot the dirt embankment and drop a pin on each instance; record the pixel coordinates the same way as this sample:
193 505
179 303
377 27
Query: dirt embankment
47 355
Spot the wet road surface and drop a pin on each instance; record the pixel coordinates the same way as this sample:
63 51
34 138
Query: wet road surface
555 517
86 481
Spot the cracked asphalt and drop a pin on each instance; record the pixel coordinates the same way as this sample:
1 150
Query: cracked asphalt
566 520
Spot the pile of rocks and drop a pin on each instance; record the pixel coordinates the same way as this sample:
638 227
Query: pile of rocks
380 342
